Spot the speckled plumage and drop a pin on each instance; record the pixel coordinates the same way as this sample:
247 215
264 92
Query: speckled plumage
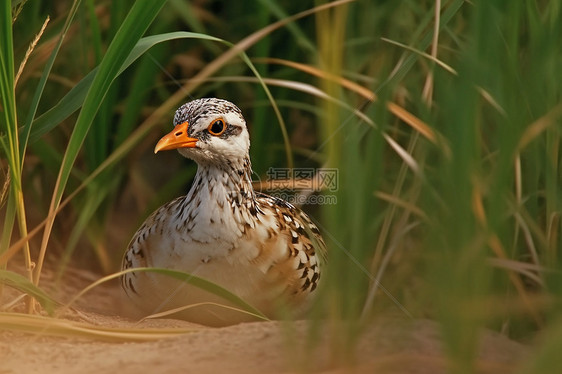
259 247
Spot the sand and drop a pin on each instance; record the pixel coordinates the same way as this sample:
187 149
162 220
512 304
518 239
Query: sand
389 345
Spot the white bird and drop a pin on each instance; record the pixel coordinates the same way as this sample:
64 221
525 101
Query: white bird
261 248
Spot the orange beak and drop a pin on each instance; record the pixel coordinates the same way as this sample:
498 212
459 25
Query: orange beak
177 138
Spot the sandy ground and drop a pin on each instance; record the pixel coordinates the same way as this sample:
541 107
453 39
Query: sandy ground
389 345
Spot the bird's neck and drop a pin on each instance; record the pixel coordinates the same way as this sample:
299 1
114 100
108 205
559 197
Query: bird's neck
230 181
220 195
221 203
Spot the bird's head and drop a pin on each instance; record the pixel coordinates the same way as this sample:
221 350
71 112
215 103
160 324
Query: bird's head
208 131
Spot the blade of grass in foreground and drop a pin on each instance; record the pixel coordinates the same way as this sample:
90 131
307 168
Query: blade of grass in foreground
19 282
40 325
74 99
139 18
21 145
184 277
9 139
43 81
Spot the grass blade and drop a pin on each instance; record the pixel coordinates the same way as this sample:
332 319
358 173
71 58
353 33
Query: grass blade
40 325
132 29
43 81
19 282
74 99
184 277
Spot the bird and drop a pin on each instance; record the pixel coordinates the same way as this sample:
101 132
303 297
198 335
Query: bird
259 247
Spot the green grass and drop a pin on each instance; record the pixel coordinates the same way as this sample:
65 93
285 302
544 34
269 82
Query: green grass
449 195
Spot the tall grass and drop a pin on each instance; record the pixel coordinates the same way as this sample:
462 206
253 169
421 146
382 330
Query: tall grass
10 141
443 119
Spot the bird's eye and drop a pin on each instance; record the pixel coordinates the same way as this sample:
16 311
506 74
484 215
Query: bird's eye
217 127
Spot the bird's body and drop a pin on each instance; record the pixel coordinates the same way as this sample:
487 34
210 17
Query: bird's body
258 247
